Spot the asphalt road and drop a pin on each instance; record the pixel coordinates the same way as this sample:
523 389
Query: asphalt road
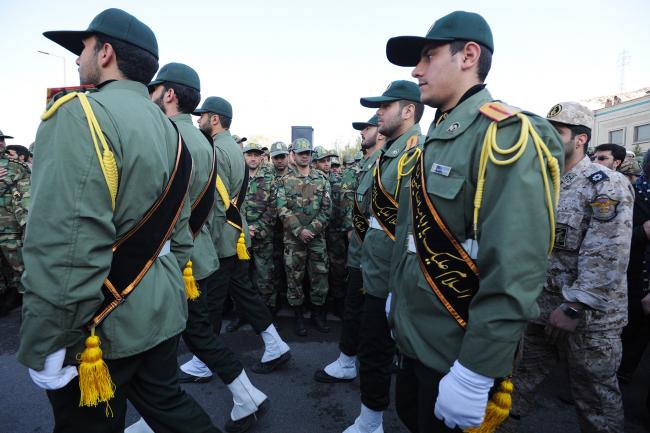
298 404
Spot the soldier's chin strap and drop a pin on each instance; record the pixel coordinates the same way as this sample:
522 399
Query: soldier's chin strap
490 147
107 159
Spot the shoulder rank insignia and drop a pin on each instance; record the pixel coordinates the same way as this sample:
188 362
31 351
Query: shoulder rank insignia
598 176
412 142
603 207
498 111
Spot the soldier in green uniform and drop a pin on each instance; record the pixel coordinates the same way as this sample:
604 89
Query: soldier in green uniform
15 184
357 180
469 213
304 206
399 111
337 233
77 277
335 164
261 215
176 90
233 239
279 153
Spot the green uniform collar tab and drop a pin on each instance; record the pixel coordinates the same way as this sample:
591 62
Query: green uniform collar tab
114 23
458 25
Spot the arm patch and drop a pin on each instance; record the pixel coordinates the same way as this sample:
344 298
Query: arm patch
597 177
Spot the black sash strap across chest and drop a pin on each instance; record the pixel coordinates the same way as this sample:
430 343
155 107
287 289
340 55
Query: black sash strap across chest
359 220
382 204
135 252
233 214
448 269
203 204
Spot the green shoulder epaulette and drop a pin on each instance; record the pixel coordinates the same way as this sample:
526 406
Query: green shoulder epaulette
498 111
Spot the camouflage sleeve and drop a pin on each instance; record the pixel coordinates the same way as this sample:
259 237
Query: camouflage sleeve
264 225
289 220
319 223
21 197
348 187
605 248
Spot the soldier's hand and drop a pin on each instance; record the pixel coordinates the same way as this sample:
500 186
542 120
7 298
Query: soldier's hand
559 324
646 227
3 174
251 231
645 304
306 235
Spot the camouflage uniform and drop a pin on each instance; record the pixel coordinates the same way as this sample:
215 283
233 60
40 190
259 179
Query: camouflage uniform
260 211
588 265
13 215
337 233
304 202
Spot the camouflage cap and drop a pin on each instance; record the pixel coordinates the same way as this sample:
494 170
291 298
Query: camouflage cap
358 156
333 153
630 166
238 139
279 148
252 147
571 113
301 145
2 135
335 161
348 159
319 153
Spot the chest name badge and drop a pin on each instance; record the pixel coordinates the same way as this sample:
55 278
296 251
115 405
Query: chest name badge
603 207
440 169
568 178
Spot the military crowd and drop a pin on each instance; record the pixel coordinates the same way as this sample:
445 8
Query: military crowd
464 261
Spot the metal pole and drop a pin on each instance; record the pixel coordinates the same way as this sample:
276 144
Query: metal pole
65 76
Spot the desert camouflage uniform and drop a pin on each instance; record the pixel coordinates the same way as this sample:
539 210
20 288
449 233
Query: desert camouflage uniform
259 208
304 202
588 265
14 201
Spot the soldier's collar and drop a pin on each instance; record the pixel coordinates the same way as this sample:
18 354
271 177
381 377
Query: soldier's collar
461 117
394 148
441 115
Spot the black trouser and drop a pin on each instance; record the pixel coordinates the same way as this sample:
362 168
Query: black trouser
635 337
416 391
349 343
233 275
149 380
376 353
204 343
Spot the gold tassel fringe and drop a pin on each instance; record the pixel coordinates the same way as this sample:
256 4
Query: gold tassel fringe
498 409
242 251
191 288
95 381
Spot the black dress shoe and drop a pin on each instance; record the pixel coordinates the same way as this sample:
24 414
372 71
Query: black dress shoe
270 366
322 377
190 378
236 324
244 424
319 319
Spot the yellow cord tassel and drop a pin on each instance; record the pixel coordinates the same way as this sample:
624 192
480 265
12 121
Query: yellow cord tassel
498 409
191 288
242 251
95 381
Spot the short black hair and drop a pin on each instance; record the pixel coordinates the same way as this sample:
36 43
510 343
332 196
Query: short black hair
618 151
484 60
20 150
419 108
225 121
135 63
188 97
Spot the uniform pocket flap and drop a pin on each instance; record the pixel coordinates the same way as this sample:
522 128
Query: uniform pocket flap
443 186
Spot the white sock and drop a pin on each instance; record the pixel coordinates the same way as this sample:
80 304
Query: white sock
196 367
274 346
369 420
345 367
139 427
246 398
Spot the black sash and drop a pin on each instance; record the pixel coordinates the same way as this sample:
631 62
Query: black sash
203 204
233 215
383 205
449 270
136 251
359 220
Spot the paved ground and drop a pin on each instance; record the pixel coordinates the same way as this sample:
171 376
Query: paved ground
298 404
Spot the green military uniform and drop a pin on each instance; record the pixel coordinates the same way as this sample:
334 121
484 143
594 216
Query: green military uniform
68 252
14 201
304 203
260 211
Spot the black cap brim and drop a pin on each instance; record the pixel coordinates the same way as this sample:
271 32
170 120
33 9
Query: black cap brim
198 111
360 126
6 136
154 83
376 101
69 39
407 50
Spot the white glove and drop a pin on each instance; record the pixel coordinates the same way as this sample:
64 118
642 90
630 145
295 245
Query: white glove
387 307
54 375
462 397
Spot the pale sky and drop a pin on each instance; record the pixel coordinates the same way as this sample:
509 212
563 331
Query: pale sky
284 62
